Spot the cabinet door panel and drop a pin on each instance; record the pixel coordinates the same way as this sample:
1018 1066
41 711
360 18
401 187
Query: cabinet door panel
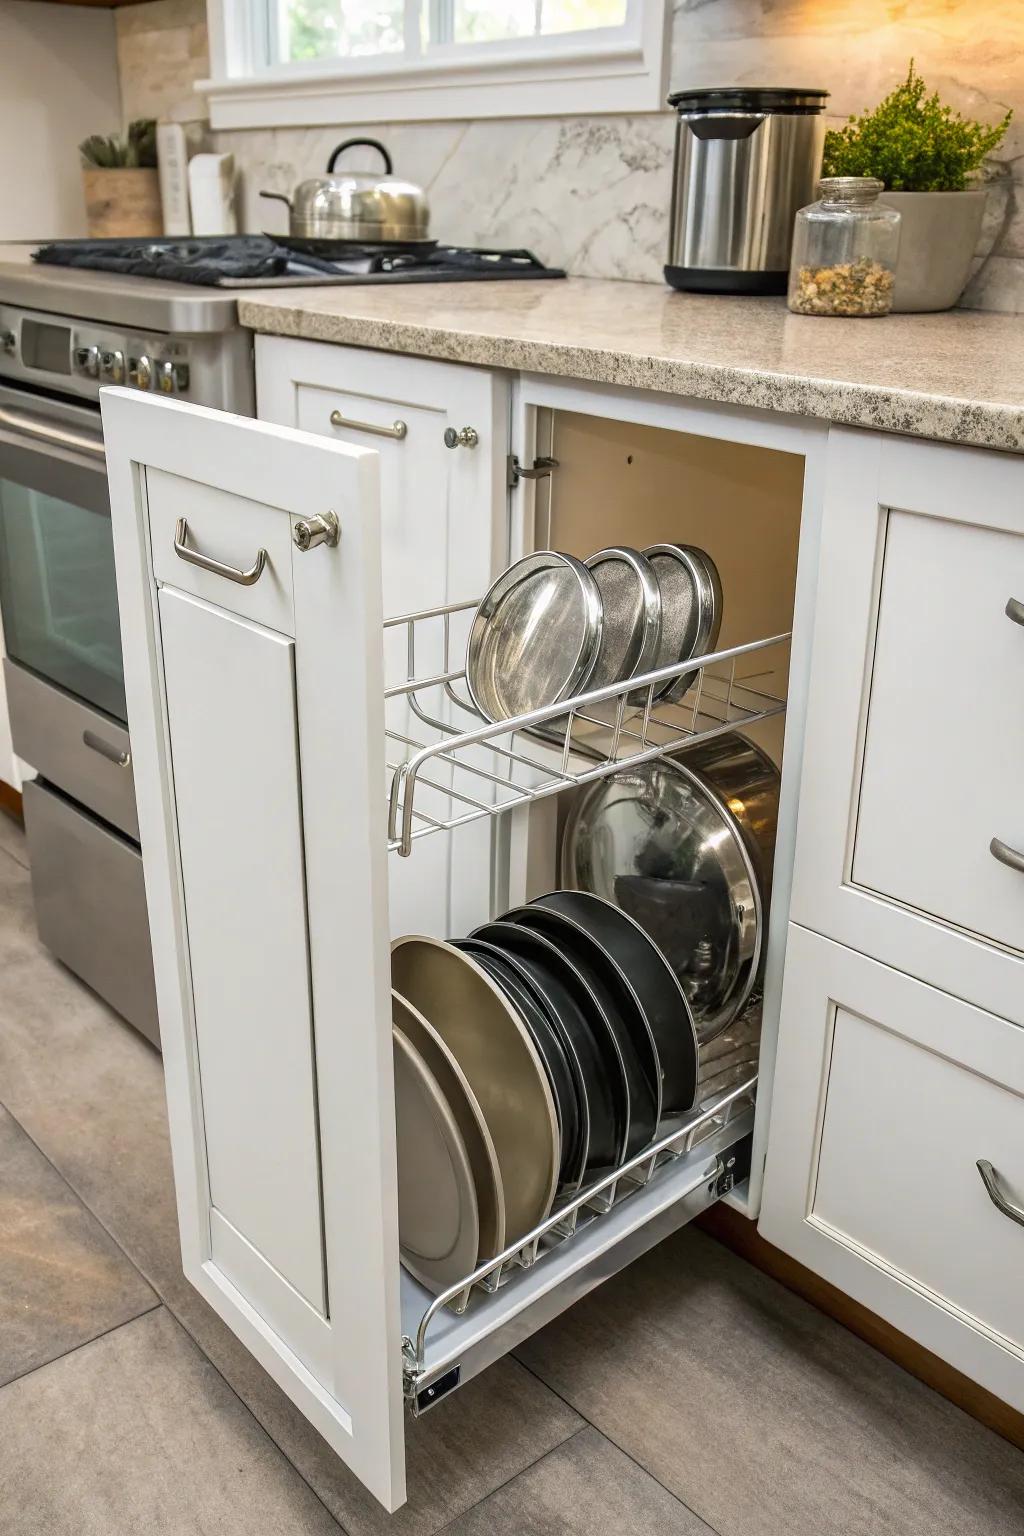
259 763
914 743
231 700
887 1092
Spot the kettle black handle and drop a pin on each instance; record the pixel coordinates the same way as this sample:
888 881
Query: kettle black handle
370 144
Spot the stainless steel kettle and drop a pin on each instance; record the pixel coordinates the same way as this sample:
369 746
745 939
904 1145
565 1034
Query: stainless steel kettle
747 158
373 206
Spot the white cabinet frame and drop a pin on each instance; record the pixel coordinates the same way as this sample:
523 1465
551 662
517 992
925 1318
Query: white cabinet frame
536 393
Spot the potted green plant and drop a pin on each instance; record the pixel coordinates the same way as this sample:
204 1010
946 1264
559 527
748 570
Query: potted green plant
122 187
927 155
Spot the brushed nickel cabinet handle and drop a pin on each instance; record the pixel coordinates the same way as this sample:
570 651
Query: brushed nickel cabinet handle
107 749
398 429
217 567
1006 855
1015 610
997 1193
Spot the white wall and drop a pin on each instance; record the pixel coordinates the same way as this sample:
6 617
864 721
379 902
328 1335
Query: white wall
58 83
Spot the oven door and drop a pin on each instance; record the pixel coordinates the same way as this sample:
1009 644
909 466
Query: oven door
57 590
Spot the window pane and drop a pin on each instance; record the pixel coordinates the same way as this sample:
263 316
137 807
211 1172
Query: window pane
579 15
346 29
486 21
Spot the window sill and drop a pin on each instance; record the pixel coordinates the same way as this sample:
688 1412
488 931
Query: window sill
622 78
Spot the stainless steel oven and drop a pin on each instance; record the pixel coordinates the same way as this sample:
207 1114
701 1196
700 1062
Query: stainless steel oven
65 688
63 669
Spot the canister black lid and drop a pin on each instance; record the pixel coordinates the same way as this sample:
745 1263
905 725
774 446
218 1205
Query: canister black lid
748 98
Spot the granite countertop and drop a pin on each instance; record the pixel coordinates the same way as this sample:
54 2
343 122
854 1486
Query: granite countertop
956 377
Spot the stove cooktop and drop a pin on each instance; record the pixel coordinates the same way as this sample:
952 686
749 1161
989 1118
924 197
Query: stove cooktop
265 261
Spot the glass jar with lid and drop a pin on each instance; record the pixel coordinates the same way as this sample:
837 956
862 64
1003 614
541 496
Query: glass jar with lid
844 250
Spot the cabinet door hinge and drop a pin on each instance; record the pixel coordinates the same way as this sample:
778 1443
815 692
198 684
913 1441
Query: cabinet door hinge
538 470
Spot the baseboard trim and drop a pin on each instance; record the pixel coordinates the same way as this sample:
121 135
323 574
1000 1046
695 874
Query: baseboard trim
10 801
734 1231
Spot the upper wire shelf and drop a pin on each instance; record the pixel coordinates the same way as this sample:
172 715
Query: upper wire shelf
449 767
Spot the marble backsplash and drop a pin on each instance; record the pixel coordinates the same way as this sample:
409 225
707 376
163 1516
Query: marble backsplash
592 194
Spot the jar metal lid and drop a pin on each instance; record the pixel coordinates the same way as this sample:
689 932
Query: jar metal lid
850 189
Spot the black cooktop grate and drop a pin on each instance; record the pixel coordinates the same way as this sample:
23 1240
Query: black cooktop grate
247 261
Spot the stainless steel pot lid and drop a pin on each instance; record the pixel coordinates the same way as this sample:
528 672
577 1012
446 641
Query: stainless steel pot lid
691 609
667 846
631 602
536 636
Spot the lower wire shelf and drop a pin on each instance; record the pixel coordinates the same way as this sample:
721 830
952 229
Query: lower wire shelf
450 1338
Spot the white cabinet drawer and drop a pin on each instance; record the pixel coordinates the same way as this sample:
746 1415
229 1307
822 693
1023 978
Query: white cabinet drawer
887 1094
944 738
229 529
915 739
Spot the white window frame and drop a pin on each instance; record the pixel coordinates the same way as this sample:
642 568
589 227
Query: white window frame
608 70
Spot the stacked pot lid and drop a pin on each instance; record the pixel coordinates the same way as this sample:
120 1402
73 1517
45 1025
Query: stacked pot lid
552 627
532 1057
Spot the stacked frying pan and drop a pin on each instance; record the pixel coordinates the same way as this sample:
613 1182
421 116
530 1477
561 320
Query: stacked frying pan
530 1058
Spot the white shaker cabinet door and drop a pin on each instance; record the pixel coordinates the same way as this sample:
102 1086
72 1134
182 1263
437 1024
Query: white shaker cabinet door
444 535
259 770
914 749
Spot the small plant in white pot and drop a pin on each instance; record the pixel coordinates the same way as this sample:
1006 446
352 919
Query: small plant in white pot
928 156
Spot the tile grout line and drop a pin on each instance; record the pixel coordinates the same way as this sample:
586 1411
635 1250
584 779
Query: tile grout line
537 1461
168 1307
83 1344
621 1448
10 854
162 1301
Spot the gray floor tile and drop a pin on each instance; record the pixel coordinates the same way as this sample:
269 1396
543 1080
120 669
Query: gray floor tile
12 838
63 1280
89 1091
138 1433
764 1416
585 1488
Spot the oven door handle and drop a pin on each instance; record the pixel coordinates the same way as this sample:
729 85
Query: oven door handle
46 432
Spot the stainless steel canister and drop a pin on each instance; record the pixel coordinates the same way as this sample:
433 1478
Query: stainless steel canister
747 158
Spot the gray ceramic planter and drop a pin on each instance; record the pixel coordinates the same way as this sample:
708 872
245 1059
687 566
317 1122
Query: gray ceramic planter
938 237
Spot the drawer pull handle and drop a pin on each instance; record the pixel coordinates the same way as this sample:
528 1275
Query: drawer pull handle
398 429
107 749
207 563
1006 855
1015 610
997 1194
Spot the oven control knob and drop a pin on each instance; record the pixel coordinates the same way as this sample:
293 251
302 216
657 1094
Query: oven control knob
140 372
165 378
112 366
87 361
8 340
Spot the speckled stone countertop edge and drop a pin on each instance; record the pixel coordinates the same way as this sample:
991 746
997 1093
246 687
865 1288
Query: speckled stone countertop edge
944 418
